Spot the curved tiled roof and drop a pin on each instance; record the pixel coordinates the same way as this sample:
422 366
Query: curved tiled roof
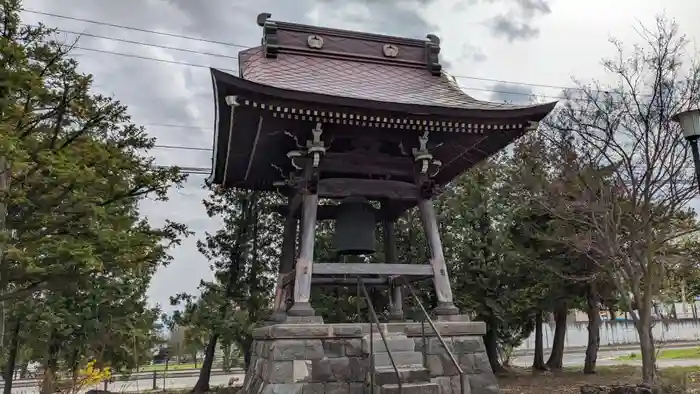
358 79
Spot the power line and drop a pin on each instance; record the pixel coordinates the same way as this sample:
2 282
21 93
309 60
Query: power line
182 147
191 170
160 33
194 169
187 64
176 62
145 44
176 126
194 172
200 39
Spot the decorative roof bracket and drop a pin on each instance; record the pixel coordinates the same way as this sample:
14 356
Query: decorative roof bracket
270 42
432 52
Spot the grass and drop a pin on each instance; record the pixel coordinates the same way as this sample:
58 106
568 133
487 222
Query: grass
171 367
569 381
668 354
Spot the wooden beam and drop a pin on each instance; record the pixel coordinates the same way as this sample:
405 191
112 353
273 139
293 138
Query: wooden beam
294 207
396 295
303 268
366 164
374 282
254 149
361 269
350 282
325 212
369 188
286 265
437 259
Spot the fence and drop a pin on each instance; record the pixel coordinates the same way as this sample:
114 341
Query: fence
620 332
145 381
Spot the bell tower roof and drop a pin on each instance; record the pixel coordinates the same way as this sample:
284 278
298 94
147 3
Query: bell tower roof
357 86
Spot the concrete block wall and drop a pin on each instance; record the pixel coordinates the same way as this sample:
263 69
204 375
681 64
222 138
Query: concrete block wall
329 358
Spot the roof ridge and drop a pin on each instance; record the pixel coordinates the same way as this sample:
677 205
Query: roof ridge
263 18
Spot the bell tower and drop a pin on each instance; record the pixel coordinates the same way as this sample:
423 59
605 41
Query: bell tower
371 126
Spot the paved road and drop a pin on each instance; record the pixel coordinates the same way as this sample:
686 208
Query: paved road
147 384
607 357
571 359
622 347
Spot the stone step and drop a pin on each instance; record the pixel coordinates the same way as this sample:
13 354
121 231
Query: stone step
387 375
395 342
401 359
410 388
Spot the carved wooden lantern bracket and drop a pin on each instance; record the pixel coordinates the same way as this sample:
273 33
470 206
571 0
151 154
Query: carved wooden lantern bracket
421 155
293 155
315 147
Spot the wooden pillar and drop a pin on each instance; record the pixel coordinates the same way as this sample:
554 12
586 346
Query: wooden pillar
286 264
443 289
304 265
396 296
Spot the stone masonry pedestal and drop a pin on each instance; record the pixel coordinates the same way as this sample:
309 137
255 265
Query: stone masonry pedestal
334 359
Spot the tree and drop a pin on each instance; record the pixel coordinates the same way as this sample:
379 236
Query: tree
627 198
74 169
571 279
490 278
194 343
176 342
72 157
243 254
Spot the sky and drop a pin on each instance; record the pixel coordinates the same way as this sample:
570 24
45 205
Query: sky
497 49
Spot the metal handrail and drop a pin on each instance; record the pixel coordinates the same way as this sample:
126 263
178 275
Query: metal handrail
373 314
437 334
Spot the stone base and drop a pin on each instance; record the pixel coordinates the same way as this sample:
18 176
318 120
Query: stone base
330 358
445 309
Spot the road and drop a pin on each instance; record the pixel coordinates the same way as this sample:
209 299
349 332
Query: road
144 384
571 359
608 357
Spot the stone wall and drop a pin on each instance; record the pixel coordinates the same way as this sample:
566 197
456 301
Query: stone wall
471 356
468 350
313 358
330 358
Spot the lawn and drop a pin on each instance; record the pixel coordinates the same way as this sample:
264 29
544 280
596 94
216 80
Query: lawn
522 381
668 354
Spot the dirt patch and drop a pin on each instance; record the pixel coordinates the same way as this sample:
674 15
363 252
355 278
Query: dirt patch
523 381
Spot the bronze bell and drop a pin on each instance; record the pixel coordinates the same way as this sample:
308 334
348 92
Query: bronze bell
354 227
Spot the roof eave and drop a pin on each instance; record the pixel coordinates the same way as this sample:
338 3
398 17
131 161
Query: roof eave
218 162
534 112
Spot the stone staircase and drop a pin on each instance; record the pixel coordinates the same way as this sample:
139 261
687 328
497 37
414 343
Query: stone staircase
414 377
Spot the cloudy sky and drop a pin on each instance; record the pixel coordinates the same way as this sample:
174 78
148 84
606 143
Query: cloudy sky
498 49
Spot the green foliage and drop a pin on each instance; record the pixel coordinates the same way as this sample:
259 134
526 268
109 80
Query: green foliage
244 255
491 279
76 167
76 257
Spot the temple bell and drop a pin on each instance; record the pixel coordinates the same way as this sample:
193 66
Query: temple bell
355 227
